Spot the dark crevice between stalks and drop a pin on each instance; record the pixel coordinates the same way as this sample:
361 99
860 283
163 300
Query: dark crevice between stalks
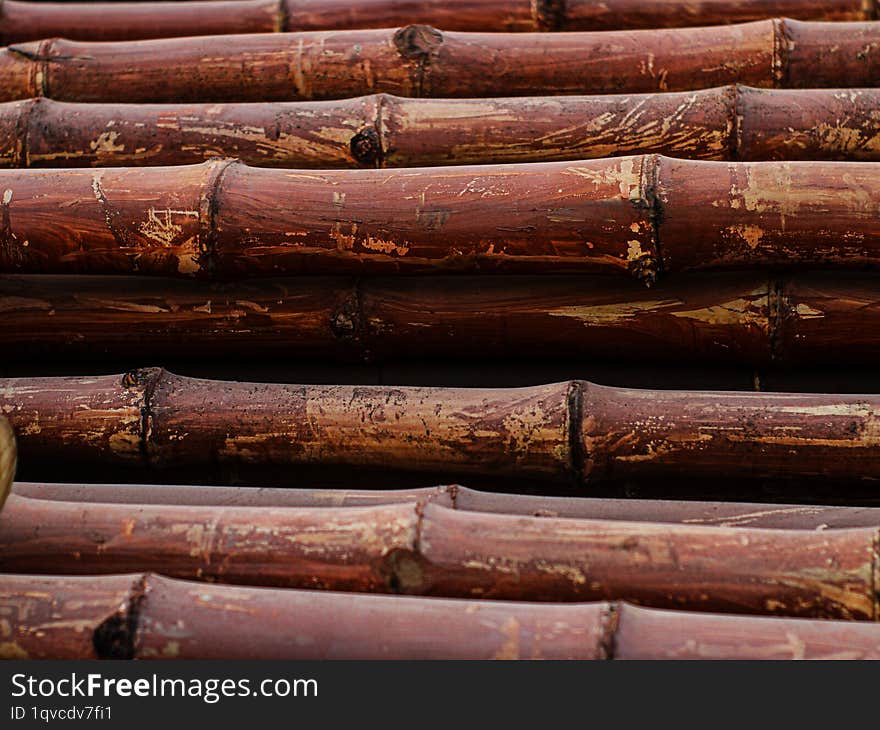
577 453
550 14
418 43
209 209
147 379
609 627
116 636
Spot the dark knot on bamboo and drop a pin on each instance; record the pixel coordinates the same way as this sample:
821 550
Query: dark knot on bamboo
550 15
417 42
366 147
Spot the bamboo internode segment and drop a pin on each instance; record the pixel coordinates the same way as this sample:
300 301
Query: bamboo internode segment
113 21
731 122
7 459
724 514
146 616
430 550
561 432
730 317
419 60
640 215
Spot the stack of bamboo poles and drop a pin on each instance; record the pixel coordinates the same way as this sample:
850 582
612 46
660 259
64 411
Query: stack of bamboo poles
330 187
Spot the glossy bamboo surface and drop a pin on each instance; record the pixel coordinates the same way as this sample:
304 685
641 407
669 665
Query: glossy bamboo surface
693 512
152 617
558 432
421 61
110 21
731 122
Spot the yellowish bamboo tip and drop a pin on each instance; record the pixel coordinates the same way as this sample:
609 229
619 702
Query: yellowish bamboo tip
7 459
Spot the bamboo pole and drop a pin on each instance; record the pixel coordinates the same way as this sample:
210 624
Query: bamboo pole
744 318
731 122
430 550
125 21
560 432
148 616
723 514
113 21
730 318
418 60
638 215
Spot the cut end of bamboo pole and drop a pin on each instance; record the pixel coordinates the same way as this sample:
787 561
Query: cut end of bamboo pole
7 459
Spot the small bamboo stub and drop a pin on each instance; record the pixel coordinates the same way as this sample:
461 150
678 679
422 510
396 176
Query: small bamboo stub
7 459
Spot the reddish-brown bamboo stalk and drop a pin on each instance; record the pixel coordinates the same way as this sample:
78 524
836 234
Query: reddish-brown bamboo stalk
418 60
111 21
7 459
430 550
731 122
123 21
724 514
730 318
559 432
152 617
226 220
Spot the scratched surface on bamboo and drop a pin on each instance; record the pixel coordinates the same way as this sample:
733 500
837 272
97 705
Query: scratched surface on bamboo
749 318
723 514
57 617
146 616
112 21
558 432
629 432
388 131
422 61
655 634
728 319
325 548
223 219
436 551
24 21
